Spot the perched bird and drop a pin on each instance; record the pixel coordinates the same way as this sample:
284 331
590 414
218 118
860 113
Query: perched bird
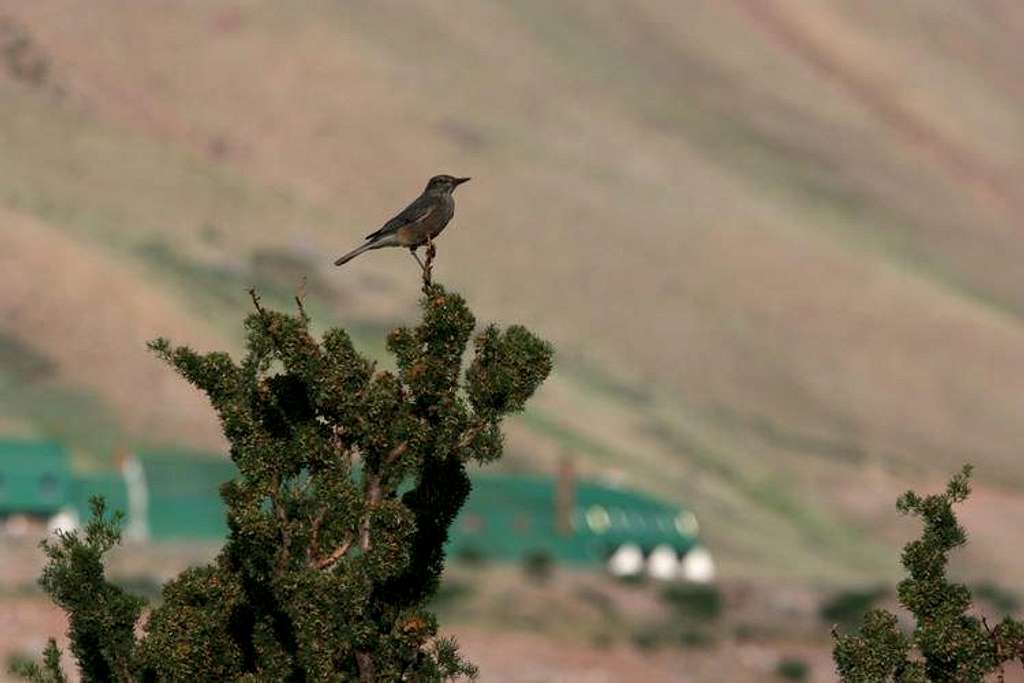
418 223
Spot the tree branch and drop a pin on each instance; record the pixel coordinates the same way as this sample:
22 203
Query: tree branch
373 498
428 266
470 434
313 551
367 669
375 493
298 299
282 518
339 552
396 452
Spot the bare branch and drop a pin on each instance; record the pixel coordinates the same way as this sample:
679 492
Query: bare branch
367 669
313 551
373 498
254 295
339 552
396 452
298 299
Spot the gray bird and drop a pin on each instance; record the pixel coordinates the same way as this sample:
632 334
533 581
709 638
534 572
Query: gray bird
418 223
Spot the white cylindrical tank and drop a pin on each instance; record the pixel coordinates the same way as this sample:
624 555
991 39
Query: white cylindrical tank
697 566
64 521
663 563
627 560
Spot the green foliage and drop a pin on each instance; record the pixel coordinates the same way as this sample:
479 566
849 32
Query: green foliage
538 565
22 56
102 615
792 669
327 570
648 636
948 644
1000 598
471 556
691 622
847 608
694 601
48 672
450 593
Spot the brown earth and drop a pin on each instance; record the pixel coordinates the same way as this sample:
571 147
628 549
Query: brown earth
777 243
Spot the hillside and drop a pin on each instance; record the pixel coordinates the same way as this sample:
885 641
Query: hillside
777 243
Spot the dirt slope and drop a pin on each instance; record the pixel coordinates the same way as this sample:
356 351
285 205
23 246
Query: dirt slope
799 221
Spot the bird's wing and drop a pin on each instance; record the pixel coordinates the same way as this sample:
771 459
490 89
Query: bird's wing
414 213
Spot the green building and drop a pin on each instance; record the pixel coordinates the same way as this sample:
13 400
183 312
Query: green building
174 495
35 477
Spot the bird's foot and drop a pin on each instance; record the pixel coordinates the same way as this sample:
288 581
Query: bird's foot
412 250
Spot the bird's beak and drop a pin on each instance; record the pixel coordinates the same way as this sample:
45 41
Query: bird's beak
459 181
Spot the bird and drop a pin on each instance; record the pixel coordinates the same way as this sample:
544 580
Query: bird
417 224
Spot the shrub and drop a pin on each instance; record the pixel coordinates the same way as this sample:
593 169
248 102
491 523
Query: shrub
327 570
538 565
694 601
997 596
792 669
949 644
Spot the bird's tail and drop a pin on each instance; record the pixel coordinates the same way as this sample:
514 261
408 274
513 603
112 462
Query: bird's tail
355 252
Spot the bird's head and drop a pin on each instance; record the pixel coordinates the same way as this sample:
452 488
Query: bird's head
444 183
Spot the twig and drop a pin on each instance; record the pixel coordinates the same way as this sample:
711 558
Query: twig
256 300
298 299
993 634
470 434
266 320
396 452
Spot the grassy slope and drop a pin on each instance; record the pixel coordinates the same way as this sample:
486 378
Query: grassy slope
783 237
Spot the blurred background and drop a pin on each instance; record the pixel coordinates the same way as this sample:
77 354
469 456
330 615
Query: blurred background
777 244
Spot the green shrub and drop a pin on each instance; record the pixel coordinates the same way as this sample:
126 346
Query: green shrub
997 596
694 601
451 592
648 637
949 644
694 635
327 570
471 556
47 672
538 565
792 669
145 586
23 58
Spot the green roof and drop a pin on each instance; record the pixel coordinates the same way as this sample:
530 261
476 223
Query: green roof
508 517
35 476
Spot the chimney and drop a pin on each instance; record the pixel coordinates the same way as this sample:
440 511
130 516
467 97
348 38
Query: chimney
565 496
